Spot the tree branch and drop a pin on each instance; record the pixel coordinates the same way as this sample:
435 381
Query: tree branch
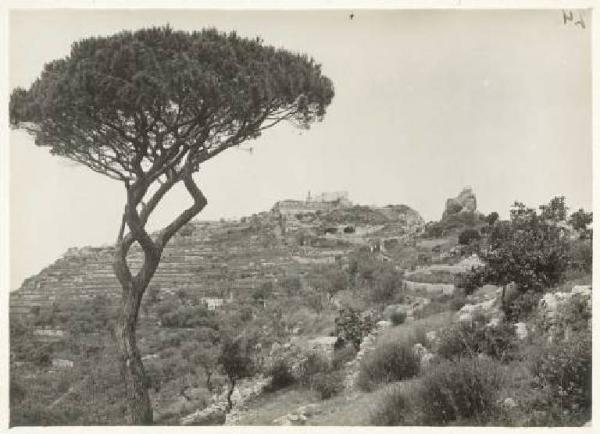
199 203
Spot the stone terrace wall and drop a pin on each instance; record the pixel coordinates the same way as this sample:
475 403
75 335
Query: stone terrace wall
215 259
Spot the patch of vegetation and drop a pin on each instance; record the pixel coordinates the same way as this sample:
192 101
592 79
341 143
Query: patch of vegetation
351 327
563 372
464 391
395 408
531 250
468 236
281 374
389 362
329 383
398 317
313 363
468 339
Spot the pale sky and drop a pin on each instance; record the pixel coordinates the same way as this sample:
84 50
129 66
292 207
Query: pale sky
426 103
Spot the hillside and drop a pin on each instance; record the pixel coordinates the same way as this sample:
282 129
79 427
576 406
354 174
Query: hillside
226 258
350 315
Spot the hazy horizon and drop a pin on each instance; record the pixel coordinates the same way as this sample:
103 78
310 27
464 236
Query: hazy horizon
427 102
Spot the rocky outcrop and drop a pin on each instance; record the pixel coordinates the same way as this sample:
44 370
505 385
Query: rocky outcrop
490 308
556 310
465 202
299 416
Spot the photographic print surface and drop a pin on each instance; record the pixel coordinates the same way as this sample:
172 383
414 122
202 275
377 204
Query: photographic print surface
324 217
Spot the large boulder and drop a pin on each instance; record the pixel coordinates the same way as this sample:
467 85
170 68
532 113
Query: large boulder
489 308
465 202
561 312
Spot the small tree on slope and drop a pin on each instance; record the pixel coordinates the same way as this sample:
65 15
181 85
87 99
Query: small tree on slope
147 108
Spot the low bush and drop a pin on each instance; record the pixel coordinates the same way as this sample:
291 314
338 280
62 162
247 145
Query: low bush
468 236
467 339
464 390
521 305
351 327
395 408
328 384
312 364
563 371
580 255
398 317
281 374
389 362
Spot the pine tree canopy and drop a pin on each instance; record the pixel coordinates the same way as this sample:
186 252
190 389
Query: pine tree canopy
139 105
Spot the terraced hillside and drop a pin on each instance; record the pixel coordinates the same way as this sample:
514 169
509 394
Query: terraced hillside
218 260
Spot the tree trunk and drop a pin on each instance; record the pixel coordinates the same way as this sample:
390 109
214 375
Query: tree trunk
229 393
208 382
132 368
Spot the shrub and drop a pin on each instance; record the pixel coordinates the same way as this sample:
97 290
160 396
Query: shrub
389 362
281 374
469 339
521 305
563 371
394 408
580 254
313 363
386 284
463 390
580 220
328 384
351 327
468 236
398 317
491 218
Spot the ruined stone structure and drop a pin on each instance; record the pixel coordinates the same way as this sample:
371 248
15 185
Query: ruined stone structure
341 197
465 202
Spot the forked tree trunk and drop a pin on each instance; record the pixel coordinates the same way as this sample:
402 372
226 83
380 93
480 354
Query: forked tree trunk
134 286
